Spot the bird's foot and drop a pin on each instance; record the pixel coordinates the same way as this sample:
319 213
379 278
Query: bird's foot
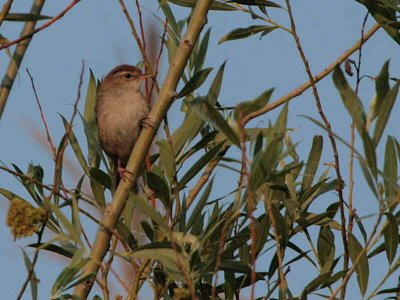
147 123
122 173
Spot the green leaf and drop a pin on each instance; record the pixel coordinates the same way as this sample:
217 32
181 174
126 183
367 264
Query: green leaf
93 142
167 158
193 123
384 13
198 165
315 284
76 147
241 33
153 214
391 235
71 273
209 114
174 262
199 208
350 100
362 269
101 177
326 248
201 54
169 16
382 88
384 112
214 6
234 266
247 107
369 179
159 187
390 169
90 118
257 2
215 88
53 248
313 160
25 17
389 291
126 233
33 279
196 81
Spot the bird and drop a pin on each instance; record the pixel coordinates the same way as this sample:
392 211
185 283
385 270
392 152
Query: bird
121 111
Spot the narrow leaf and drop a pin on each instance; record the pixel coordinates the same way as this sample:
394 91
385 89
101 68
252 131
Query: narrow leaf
312 162
390 169
247 107
350 100
384 112
391 235
257 2
196 81
209 114
241 33
362 269
215 5
25 17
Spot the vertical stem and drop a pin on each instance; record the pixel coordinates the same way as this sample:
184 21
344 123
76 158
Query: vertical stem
330 134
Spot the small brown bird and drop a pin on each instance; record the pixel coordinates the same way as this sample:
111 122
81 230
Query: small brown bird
121 109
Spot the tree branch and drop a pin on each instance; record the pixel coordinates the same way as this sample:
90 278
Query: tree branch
18 55
298 91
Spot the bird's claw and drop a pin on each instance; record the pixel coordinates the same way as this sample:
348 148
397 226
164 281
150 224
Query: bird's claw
147 123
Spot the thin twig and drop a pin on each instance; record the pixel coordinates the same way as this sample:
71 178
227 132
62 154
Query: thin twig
159 57
299 90
328 126
138 41
52 147
144 44
26 36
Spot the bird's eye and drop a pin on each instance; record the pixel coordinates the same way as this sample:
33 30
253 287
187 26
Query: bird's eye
127 75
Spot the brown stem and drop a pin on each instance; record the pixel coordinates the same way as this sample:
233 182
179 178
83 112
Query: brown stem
52 147
138 41
330 134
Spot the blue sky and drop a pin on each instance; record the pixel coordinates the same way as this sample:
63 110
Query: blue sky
96 31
